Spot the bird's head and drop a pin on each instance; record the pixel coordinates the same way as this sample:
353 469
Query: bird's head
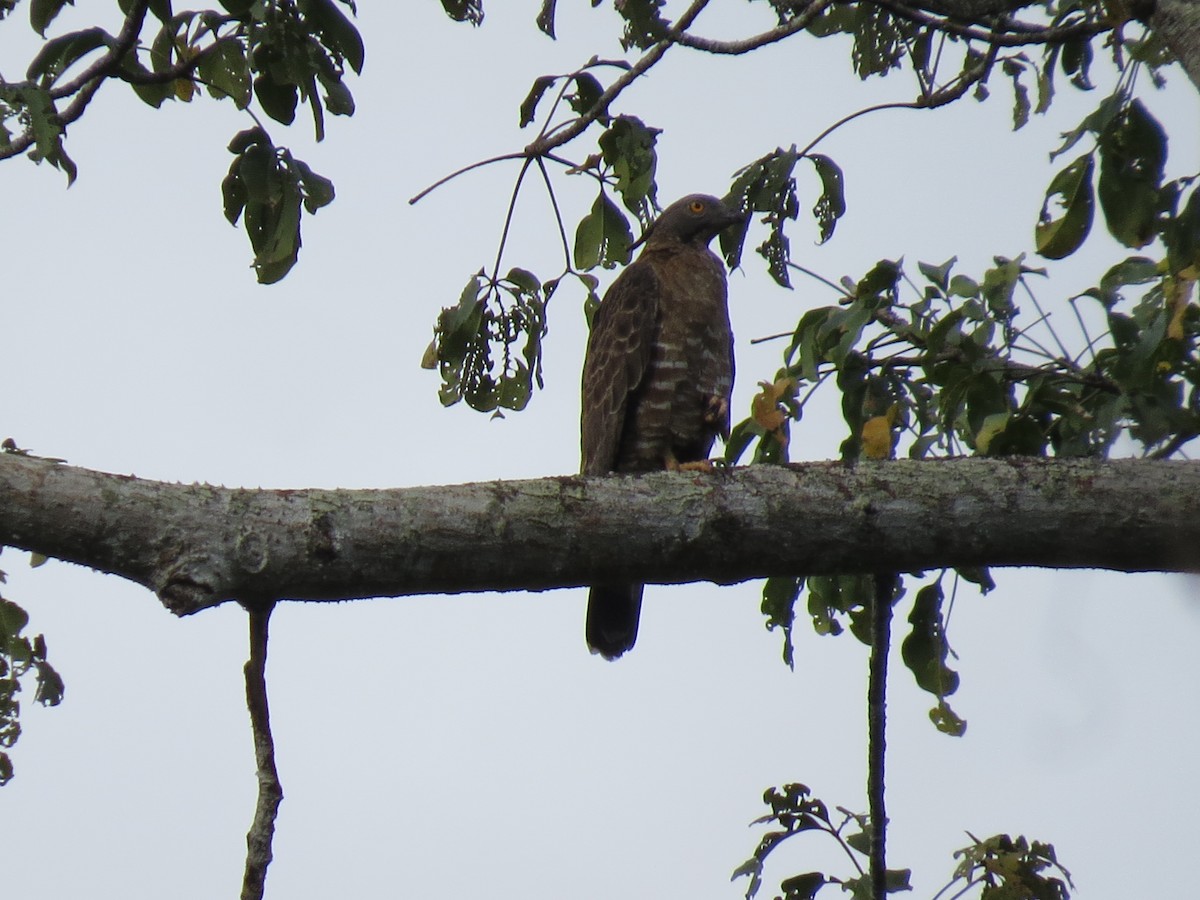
695 219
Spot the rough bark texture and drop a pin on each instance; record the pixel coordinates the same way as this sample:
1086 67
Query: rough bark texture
1178 24
199 545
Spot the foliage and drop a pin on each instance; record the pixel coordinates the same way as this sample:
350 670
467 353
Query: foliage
1005 867
935 362
20 657
930 362
271 55
1000 866
794 811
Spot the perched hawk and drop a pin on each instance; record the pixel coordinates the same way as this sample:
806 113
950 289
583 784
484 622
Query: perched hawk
658 375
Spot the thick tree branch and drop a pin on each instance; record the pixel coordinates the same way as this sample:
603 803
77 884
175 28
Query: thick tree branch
198 545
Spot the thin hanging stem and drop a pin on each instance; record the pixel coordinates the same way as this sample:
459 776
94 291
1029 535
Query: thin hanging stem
270 792
881 639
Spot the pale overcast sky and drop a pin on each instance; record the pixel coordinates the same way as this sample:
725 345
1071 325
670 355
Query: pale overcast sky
438 746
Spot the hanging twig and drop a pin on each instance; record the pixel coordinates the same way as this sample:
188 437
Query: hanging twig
270 792
881 639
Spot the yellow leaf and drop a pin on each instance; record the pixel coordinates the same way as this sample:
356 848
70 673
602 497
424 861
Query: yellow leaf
992 426
765 405
429 359
1179 292
877 437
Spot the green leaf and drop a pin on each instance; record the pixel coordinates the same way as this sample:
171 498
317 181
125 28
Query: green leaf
161 10
47 130
766 186
1021 104
1133 150
259 173
529 104
337 31
1134 270
224 69
1182 236
545 18
13 620
860 841
233 194
925 649
880 41
802 887
50 687
525 281
977 575
1059 237
603 236
1077 61
939 275
627 146
587 92
464 10
317 189
1095 122
277 100
43 12
779 597
947 721
643 23
831 205
999 284
57 55
150 94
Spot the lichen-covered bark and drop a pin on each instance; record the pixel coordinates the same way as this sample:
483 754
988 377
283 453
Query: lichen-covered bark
198 545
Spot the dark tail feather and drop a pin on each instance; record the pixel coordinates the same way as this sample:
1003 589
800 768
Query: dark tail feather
612 618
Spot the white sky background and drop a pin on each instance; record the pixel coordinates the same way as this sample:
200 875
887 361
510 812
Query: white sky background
438 746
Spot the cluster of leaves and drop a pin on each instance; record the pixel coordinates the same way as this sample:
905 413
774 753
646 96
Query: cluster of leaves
20 656
794 810
277 53
768 187
488 347
829 599
1137 204
268 186
1006 867
1000 866
960 368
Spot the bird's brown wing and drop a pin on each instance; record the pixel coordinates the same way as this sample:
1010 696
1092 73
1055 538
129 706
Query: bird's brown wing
618 354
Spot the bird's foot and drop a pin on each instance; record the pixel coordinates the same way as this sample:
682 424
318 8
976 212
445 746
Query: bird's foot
698 465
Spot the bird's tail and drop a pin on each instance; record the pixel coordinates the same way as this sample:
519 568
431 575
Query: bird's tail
612 618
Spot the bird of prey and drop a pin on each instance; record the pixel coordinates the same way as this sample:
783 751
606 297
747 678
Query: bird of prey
658 376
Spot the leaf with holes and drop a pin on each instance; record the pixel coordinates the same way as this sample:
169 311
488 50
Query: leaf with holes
1060 232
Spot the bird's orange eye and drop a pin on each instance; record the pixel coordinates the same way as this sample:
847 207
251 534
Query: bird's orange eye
696 206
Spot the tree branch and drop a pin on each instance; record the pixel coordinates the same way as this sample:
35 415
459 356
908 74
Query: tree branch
1178 24
745 45
572 129
198 546
85 85
270 792
881 643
